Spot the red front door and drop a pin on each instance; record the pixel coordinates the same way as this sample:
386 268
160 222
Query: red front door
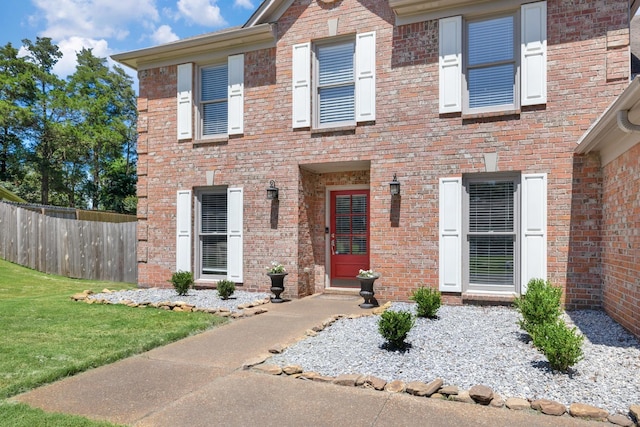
349 236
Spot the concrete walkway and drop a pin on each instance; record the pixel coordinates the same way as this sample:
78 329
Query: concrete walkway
199 381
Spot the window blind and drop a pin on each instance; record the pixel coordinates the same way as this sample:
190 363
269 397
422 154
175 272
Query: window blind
213 233
491 233
336 83
490 45
214 92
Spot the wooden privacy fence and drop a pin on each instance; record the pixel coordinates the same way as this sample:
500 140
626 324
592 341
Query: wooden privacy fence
69 247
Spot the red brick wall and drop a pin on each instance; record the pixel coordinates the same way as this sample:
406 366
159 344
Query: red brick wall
621 239
409 138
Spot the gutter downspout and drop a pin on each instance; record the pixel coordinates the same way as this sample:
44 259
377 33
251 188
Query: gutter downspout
624 124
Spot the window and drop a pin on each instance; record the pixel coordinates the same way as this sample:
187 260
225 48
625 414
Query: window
343 83
213 100
219 100
493 64
491 68
335 88
493 232
218 229
212 235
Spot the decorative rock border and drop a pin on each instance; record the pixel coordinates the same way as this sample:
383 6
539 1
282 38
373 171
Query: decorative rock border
177 306
478 394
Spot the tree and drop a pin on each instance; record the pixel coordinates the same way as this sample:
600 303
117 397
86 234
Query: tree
15 93
103 116
48 110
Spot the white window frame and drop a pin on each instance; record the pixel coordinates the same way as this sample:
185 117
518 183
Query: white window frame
516 233
530 29
317 87
200 275
201 104
532 231
466 109
303 82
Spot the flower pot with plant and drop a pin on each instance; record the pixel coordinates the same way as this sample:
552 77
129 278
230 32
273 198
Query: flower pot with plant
366 279
276 273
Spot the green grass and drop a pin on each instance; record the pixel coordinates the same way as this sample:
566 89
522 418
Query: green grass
20 415
47 336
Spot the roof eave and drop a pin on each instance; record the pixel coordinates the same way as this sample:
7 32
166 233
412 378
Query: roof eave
181 49
605 131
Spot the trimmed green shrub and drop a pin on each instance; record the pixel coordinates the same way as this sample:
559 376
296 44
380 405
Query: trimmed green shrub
428 301
561 345
226 288
540 304
394 326
182 281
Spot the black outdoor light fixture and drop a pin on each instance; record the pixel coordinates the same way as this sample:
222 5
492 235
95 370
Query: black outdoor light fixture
394 186
272 191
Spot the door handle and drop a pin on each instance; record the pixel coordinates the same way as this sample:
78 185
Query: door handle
333 246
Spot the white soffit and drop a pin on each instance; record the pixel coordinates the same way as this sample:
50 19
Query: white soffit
605 136
412 11
227 42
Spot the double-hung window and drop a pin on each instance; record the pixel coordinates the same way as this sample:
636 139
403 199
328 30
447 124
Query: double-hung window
217 230
493 64
337 86
219 99
493 232
214 105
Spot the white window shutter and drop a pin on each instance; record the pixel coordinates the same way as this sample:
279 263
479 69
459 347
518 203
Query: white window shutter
236 94
301 76
534 228
450 64
185 84
534 53
366 77
234 234
450 211
183 231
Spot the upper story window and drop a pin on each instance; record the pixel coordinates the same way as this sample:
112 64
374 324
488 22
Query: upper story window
219 100
495 63
214 104
335 88
342 83
491 64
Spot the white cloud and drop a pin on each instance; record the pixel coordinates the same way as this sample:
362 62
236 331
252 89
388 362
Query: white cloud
93 18
246 4
164 34
71 46
202 12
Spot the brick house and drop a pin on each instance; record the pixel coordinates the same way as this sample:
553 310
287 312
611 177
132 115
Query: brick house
473 107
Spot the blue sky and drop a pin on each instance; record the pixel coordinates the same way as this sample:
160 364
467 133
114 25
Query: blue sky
113 26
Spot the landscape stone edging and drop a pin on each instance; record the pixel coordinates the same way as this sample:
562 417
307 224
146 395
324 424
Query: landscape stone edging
448 392
176 306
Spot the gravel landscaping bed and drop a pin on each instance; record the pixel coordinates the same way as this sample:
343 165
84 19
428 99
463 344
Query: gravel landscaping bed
470 345
204 299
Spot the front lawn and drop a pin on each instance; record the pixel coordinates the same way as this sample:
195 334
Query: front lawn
46 336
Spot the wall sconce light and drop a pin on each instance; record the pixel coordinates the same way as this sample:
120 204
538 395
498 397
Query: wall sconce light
394 186
272 191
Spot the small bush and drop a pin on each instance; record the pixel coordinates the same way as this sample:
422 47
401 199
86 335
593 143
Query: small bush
539 305
428 301
226 288
561 345
394 326
182 281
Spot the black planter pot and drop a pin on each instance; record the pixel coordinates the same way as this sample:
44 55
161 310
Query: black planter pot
277 286
366 291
